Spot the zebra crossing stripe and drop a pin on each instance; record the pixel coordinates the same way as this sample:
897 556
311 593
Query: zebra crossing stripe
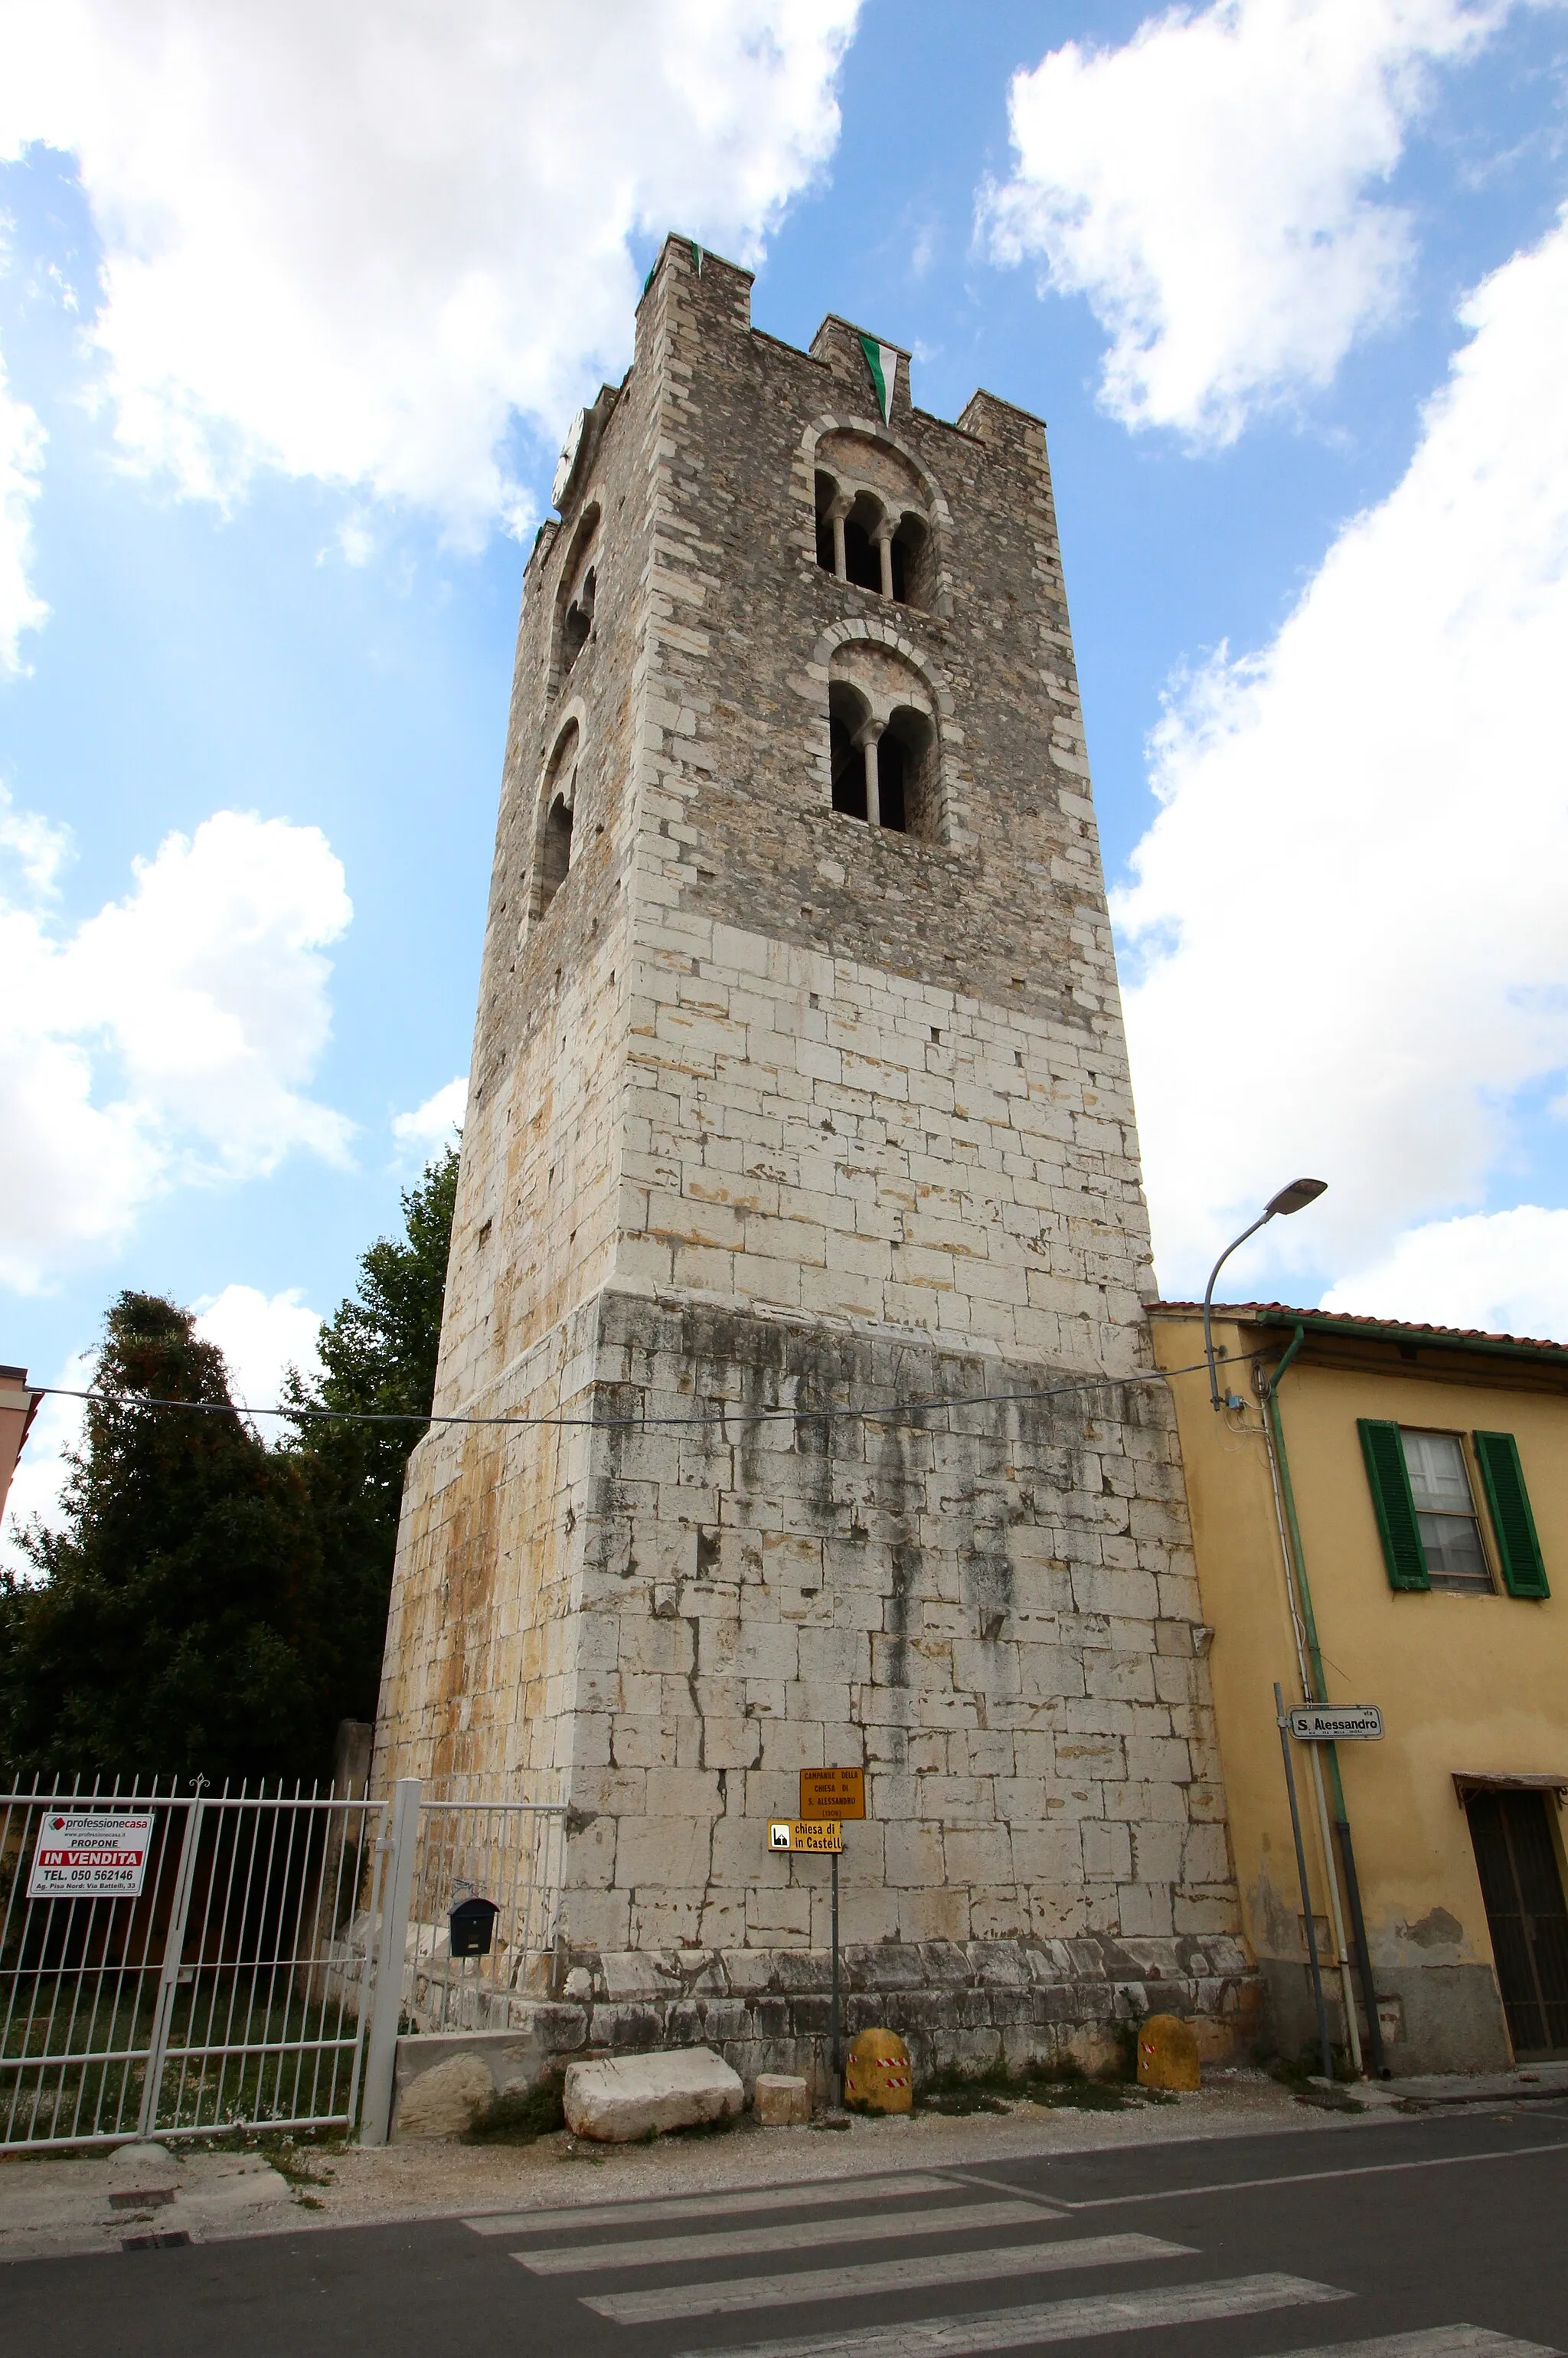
826 2193
794 2236
1051 2321
882 2278
1436 2342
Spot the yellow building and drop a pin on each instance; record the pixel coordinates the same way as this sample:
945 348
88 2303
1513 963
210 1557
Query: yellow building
1380 1517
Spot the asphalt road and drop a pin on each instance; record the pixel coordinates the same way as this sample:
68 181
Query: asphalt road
1446 2234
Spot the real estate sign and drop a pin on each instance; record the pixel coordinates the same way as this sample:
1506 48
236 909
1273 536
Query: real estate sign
90 1855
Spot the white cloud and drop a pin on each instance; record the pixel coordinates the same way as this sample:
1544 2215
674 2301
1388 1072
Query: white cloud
260 1337
1209 186
169 1037
1505 1271
21 470
351 243
1348 913
435 1123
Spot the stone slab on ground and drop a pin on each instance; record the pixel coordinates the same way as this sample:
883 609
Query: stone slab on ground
57 2206
621 2098
1530 2080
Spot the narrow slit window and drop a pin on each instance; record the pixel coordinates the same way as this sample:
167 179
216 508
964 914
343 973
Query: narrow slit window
827 491
892 765
849 765
556 858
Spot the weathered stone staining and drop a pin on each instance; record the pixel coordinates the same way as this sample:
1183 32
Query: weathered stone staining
800 1204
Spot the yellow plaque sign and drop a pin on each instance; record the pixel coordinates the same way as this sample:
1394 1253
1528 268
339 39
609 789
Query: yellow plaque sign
804 1833
832 1792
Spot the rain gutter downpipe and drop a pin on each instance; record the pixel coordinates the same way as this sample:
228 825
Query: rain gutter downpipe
1319 1695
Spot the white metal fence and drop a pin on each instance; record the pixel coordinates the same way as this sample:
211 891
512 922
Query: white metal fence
273 1949
200 1996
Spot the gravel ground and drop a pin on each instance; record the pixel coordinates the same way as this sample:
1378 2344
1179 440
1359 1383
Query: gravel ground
440 2178
52 2205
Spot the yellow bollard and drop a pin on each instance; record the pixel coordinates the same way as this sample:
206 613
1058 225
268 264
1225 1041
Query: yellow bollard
878 2073
1167 2053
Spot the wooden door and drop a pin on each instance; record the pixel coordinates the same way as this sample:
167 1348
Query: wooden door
1517 1859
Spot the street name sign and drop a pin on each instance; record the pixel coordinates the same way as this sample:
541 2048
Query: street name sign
1347 1722
90 1854
804 1833
832 1792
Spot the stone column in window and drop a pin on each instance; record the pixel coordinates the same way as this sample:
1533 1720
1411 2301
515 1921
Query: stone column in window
881 540
839 507
867 741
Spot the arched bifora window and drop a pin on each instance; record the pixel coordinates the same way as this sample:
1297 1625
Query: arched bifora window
871 525
882 747
558 802
577 595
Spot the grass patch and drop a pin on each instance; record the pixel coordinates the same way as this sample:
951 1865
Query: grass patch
519 2120
955 2102
48 2093
1298 2072
724 2126
1064 2085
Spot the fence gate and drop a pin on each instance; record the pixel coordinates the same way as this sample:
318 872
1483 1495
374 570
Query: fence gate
173 1963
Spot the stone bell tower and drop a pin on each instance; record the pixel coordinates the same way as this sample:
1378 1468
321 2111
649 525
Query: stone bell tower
800 1207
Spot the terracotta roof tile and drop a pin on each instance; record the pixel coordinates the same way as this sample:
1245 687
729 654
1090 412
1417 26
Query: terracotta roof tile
1383 1326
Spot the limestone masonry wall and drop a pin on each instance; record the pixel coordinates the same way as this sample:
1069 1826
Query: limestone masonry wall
801 1169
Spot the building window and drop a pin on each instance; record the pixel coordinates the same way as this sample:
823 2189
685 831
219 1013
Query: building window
578 623
576 597
556 853
883 764
848 767
883 760
1428 1520
910 552
1445 1509
869 531
552 854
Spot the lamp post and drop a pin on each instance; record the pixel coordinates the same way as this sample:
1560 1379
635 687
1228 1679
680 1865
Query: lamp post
1294 1198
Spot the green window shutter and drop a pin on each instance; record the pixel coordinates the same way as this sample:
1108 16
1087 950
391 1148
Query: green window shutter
1524 1573
1390 1481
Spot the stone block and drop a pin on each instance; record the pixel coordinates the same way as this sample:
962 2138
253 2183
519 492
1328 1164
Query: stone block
615 2100
781 2101
143 2176
445 2101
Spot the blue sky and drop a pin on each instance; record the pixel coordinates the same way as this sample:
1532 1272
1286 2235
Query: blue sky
295 308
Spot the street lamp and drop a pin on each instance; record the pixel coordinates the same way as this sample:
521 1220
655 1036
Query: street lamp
1294 1198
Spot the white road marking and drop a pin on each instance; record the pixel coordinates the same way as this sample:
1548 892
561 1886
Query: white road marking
1309 2177
794 2236
1435 2341
826 2191
1051 2320
880 2276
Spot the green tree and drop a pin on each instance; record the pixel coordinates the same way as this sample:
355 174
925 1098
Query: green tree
378 1359
176 1622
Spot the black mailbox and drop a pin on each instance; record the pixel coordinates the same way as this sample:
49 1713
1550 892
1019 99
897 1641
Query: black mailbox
472 1928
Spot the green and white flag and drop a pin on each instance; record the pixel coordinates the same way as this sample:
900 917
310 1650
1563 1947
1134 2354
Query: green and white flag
883 361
